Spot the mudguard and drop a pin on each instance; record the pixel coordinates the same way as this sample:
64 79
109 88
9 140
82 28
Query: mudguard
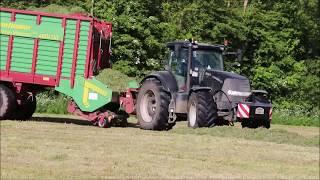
167 80
198 88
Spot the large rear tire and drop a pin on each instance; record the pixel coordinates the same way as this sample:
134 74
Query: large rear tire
7 102
27 107
152 106
202 110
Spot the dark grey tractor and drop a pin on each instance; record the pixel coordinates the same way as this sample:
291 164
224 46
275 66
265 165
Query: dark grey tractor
195 85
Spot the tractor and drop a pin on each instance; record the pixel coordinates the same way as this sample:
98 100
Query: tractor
195 86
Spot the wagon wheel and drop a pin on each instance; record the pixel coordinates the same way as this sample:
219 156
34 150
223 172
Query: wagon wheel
103 122
7 102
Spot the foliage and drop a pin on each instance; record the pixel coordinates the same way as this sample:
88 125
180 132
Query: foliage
53 8
49 102
282 117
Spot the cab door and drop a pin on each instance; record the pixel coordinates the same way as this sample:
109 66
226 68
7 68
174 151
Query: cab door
178 63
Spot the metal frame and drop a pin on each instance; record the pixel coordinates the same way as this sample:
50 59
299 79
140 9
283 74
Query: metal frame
75 54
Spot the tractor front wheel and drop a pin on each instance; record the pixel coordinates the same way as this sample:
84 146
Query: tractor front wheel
202 110
152 106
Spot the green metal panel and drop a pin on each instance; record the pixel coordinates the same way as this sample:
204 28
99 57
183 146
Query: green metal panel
48 51
25 26
21 69
82 49
22 53
68 48
44 62
45 44
48 55
5 14
25 29
89 94
4 39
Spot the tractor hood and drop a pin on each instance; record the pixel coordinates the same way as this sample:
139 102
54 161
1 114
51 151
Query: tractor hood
235 87
222 75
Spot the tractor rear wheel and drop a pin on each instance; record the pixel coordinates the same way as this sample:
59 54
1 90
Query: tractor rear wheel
202 110
7 102
27 107
152 106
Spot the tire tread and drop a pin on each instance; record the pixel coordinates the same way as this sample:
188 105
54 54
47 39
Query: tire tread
206 109
161 123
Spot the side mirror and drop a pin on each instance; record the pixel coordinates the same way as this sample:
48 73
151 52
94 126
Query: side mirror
236 64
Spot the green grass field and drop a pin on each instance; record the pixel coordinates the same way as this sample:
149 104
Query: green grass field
60 147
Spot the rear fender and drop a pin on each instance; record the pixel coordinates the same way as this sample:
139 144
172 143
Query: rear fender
181 99
166 79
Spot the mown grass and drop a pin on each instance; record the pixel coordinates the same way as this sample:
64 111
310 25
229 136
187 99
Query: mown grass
114 79
43 149
276 135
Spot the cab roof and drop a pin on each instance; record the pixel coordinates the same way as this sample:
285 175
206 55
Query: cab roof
196 45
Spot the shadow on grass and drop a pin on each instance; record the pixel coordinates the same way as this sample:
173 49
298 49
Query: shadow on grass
77 121
60 120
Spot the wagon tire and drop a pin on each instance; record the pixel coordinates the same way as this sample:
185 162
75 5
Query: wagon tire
202 110
153 106
103 123
7 102
25 110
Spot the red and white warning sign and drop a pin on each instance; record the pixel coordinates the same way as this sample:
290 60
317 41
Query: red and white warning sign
243 111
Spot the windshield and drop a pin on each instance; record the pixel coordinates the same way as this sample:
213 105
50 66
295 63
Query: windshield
203 59
208 59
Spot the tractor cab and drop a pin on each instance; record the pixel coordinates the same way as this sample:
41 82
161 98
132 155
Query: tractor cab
199 57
